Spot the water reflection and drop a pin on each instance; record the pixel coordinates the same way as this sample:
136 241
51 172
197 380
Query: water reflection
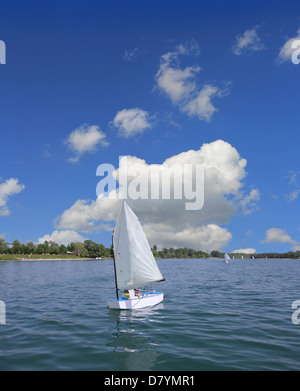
133 346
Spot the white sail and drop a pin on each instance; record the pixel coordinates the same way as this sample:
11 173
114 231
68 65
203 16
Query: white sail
135 265
227 257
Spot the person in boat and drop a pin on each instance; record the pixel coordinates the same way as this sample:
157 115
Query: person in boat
136 293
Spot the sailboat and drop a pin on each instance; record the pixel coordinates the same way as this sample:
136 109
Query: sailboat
227 257
134 264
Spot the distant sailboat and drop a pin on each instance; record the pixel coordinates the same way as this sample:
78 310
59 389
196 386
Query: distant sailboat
227 257
134 264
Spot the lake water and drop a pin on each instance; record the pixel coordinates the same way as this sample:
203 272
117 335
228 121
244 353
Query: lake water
215 316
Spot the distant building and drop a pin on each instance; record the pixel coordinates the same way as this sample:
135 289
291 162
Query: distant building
9 245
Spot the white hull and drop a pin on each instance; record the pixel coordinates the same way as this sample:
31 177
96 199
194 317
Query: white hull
147 300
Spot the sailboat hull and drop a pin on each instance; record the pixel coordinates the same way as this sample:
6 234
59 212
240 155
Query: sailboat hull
148 299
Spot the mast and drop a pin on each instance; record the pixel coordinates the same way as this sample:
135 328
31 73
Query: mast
113 249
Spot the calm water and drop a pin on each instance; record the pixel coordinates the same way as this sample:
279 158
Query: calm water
215 316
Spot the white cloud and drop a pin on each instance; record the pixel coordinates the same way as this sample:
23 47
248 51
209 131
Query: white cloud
176 83
85 139
293 195
277 235
249 202
130 55
287 50
245 251
131 122
292 176
188 47
201 105
62 237
180 85
206 237
8 188
166 222
248 42
84 215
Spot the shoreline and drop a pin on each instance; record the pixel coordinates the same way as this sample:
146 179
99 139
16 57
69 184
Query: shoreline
52 259
105 259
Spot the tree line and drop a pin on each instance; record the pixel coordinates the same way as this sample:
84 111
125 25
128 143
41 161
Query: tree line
289 254
87 249
178 253
91 249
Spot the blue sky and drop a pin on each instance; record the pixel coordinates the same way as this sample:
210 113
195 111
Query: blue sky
77 76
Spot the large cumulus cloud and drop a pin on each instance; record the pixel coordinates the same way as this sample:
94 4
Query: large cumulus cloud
167 222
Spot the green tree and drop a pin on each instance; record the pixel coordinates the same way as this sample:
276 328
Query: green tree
24 249
40 249
71 247
101 251
46 246
62 249
216 254
31 247
92 248
154 251
16 247
3 246
107 252
80 250
53 248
